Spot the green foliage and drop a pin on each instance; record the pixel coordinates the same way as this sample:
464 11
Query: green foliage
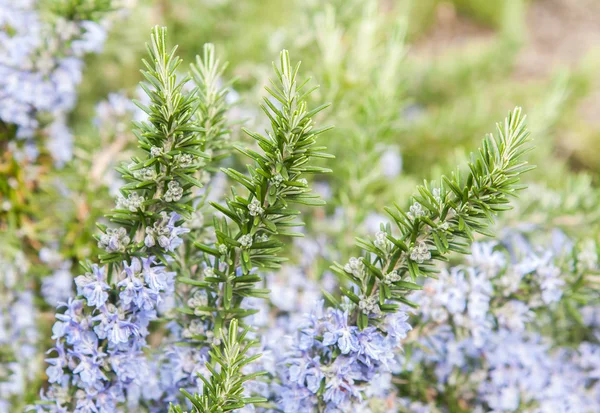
245 235
78 9
164 179
216 135
223 392
212 107
442 219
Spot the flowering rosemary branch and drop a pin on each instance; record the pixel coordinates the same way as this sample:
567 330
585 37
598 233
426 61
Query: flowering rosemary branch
159 187
441 219
101 334
342 348
177 361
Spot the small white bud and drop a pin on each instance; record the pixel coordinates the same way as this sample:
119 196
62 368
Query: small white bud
381 241
355 266
155 151
416 210
391 277
246 241
174 192
254 208
277 180
420 252
369 305
184 160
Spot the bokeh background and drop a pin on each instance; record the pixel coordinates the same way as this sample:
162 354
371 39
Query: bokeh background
464 62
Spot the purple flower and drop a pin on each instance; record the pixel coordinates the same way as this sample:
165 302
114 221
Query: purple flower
296 399
372 346
93 287
147 299
128 365
155 276
57 364
340 386
306 373
165 232
397 326
89 370
87 344
132 283
175 232
340 333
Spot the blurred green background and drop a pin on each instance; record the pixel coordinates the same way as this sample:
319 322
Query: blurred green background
462 64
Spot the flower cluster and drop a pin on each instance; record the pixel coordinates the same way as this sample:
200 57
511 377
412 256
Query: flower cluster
333 362
176 365
94 332
479 333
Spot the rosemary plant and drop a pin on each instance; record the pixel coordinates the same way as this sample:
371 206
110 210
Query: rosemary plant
248 234
102 332
176 361
343 348
246 241
206 300
440 220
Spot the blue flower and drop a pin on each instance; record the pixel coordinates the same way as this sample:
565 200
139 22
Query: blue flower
340 387
397 326
132 283
372 346
157 279
340 333
89 370
87 344
172 241
296 399
128 365
57 364
113 327
306 373
147 299
93 286
165 232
